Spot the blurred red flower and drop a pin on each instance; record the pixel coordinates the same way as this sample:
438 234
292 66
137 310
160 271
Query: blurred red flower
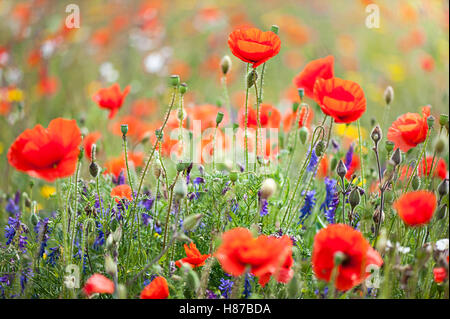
253 45
120 192
357 255
416 208
88 141
47 153
157 289
409 129
320 68
341 99
440 274
111 98
194 257
269 117
98 283
284 274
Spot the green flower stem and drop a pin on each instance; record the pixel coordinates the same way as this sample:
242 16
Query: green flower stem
246 120
424 147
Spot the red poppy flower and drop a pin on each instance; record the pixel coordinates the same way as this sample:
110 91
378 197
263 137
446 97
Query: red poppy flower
121 191
341 99
88 141
157 289
263 255
117 164
194 257
253 45
357 252
205 113
440 167
354 166
316 69
440 274
416 208
284 274
409 129
111 98
47 153
322 170
98 283
269 117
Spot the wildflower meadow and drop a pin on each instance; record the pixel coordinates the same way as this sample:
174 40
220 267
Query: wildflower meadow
182 149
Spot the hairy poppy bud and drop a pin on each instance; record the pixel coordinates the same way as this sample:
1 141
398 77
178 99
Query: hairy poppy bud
219 118
34 219
341 170
275 29
124 129
183 88
354 198
301 93
378 216
320 148
440 145
81 153
192 280
304 135
268 187
110 265
415 182
389 146
180 189
174 80
376 134
430 121
389 95
443 119
93 169
225 64
252 76
440 214
396 158
443 188
191 222
233 176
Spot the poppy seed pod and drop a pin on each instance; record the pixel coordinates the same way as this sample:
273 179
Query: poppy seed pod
389 146
192 280
396 158
225 64
174 80
376 134
443 119
252 76
233 176
339 258
389 95
183 88
274 28
268 187
440 145
341 170
219 118
301 93
430 121
124 129
295 106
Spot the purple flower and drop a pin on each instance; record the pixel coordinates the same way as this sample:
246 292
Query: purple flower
42 232
120 179
349 157
264 207
225 287
211 295
313 161
13 204
308 206
331 200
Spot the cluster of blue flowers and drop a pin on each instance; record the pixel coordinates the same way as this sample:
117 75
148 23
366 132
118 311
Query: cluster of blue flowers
331 200
310 202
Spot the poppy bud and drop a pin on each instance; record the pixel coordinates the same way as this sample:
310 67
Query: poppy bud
225 64
295 106
440 214
378 216
81 153
339 258
183 88
389 95
443 119
192 280
157 169
110 265
389 146
252 76
440 145
268 187
191 222
117 234
182 237
275 29
124 129
320 148
174 80
93 169
396 158
376 134
354 198
301 93
180 189
121 291
181 166
430 121
219 118
233 176
304 135
333 163
341 170
443 188
34 219
415 182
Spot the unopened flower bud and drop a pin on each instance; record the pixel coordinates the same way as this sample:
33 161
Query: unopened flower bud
117 234
192 221
275 29
354 198
233 176
81 153
180 189
389 146
339 258
225 64
268 188
110 265
192 280
174 80
320 148
157 169
376 134
93 169
389 95
396 158
304 135
443 119
415 182
341 170
301 93
219 118
183 88
378 217
440 145
181 167
252 76
124 129
443 188
430 121
440 214
34 219
295 106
